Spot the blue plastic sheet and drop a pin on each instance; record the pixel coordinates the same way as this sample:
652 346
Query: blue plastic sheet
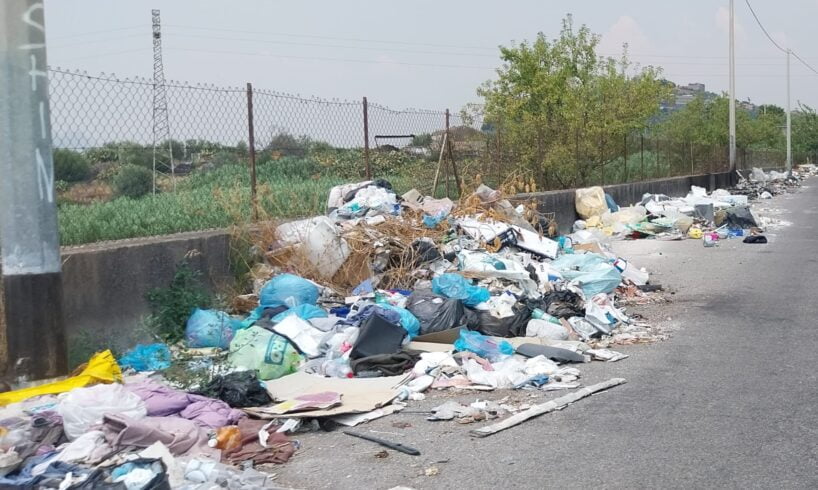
288 290
482 345
305 312
210 328
455 286
146 357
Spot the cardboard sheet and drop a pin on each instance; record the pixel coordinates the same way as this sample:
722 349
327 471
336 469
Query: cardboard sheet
357 394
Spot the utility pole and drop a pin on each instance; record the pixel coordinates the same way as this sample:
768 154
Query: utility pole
789 120
161 125
32 339
732 88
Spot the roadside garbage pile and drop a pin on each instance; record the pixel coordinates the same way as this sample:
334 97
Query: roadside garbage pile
720 215
354 314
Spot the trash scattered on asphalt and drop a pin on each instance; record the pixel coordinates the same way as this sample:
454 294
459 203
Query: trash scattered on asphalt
360 313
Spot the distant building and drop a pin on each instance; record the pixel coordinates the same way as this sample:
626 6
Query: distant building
685 94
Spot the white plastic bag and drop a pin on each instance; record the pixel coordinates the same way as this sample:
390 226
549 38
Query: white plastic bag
545 329
81 408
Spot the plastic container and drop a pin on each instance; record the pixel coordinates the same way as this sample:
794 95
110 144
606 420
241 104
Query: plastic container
628 271
538 314
226 438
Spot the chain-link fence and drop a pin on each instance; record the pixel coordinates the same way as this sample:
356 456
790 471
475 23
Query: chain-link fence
302 146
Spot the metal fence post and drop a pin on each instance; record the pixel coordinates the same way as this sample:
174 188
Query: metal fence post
642 153
625 152
366 140
251 137
32 338
451 156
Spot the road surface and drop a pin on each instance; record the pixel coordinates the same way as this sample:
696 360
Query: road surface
730 401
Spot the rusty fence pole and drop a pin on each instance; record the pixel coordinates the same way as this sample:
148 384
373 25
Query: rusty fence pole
251 136
451 156
366 140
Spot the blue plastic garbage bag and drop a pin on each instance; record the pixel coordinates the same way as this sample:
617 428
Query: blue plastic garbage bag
210 328
574 265
305 312
288 290
482 345
603 279
612 205
455 286
408 321
146 357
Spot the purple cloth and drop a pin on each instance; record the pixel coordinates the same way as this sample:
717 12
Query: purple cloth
179 435
163 401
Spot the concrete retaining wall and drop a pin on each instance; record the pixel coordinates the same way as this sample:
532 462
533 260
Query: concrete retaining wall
104 286
561 203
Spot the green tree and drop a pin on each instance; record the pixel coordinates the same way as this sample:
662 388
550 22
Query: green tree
559 105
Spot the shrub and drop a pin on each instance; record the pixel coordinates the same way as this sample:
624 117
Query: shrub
171 306
70 166
133 181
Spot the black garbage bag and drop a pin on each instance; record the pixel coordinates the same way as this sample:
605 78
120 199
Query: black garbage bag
377 336
561 304
438 313
385 364
755 239
512 326
423 251
240 389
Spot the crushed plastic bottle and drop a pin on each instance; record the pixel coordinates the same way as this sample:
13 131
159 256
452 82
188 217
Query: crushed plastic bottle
226 438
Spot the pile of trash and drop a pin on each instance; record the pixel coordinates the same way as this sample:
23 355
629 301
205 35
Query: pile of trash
354 315
720 215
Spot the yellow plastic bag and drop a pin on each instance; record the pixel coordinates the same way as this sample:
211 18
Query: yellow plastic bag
695 233
101 368
590 202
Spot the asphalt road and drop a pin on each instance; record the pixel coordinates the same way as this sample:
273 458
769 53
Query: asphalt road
730 401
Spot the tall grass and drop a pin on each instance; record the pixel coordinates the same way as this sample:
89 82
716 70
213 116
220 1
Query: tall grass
214 199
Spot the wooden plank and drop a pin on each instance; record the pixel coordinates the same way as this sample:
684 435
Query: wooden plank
546 407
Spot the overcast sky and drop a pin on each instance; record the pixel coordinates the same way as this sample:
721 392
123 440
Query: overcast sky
424 54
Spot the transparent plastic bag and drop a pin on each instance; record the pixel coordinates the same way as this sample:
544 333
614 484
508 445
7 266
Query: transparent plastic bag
483 346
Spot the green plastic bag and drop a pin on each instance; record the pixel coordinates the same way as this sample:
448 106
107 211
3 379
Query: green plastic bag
264 351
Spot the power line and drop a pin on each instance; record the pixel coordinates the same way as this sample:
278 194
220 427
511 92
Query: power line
758 21
99 55
362 40
96 32
322 58
804 62
319 45
762 27
94 41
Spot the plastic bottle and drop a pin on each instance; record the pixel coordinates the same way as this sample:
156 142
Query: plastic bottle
638 277
337 368
226 438
539 314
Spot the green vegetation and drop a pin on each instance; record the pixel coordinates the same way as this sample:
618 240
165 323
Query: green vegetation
70 166
557 103
218 198
171 306
133 181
